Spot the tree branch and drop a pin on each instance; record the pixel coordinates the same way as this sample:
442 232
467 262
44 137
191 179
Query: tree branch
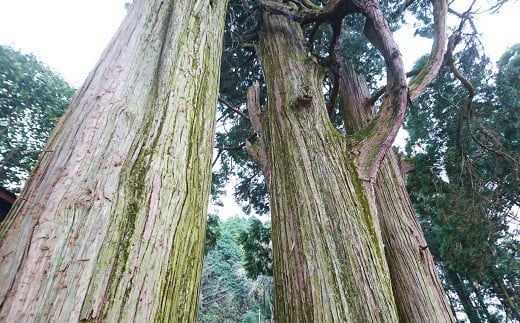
244 184
216 158
465 113
232 108
312 35
380 132
436 59
303 14
381 91
242 145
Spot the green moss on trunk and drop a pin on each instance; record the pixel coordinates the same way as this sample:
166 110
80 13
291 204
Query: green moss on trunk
328 262
111 224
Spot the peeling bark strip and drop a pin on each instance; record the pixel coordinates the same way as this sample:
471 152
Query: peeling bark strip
110 226
257 152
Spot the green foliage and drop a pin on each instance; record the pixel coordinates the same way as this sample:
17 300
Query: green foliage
224 289
465 187
234 226
32 98
256 242
227 295
213 232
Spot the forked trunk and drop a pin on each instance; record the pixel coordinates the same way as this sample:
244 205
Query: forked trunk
417 288
110 226
329 263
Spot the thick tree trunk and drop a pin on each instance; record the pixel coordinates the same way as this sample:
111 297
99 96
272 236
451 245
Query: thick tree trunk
417 288
329 263
329 259
416 285
111 223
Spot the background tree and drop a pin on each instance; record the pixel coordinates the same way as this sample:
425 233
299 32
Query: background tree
32 98
110 226
466 183
224 285
227 294
213 232
256 242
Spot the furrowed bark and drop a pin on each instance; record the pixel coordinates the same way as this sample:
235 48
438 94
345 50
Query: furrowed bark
417 288
416 285
111 224
329 263
415 282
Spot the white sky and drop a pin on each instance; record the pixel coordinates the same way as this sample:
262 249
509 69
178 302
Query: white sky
69 35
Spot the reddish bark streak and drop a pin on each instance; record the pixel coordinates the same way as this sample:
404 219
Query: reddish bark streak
278 104
296 250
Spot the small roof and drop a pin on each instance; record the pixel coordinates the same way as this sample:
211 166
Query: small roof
7 196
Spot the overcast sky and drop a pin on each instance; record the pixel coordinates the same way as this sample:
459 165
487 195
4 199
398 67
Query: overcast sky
69 35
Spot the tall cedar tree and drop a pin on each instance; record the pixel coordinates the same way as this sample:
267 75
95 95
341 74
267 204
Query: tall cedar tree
110 225
343 224
466 183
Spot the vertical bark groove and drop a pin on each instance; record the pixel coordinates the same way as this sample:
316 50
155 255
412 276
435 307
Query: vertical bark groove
118 207
416 285
329 264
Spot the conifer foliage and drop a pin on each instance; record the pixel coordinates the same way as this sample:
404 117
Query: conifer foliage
32 98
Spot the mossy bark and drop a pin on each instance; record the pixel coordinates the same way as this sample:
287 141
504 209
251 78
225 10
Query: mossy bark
110 226
329 263
335 216
416 284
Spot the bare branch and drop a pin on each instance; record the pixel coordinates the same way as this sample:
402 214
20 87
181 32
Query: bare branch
232 108
376 96
216 158
435 61
390 116
231 148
